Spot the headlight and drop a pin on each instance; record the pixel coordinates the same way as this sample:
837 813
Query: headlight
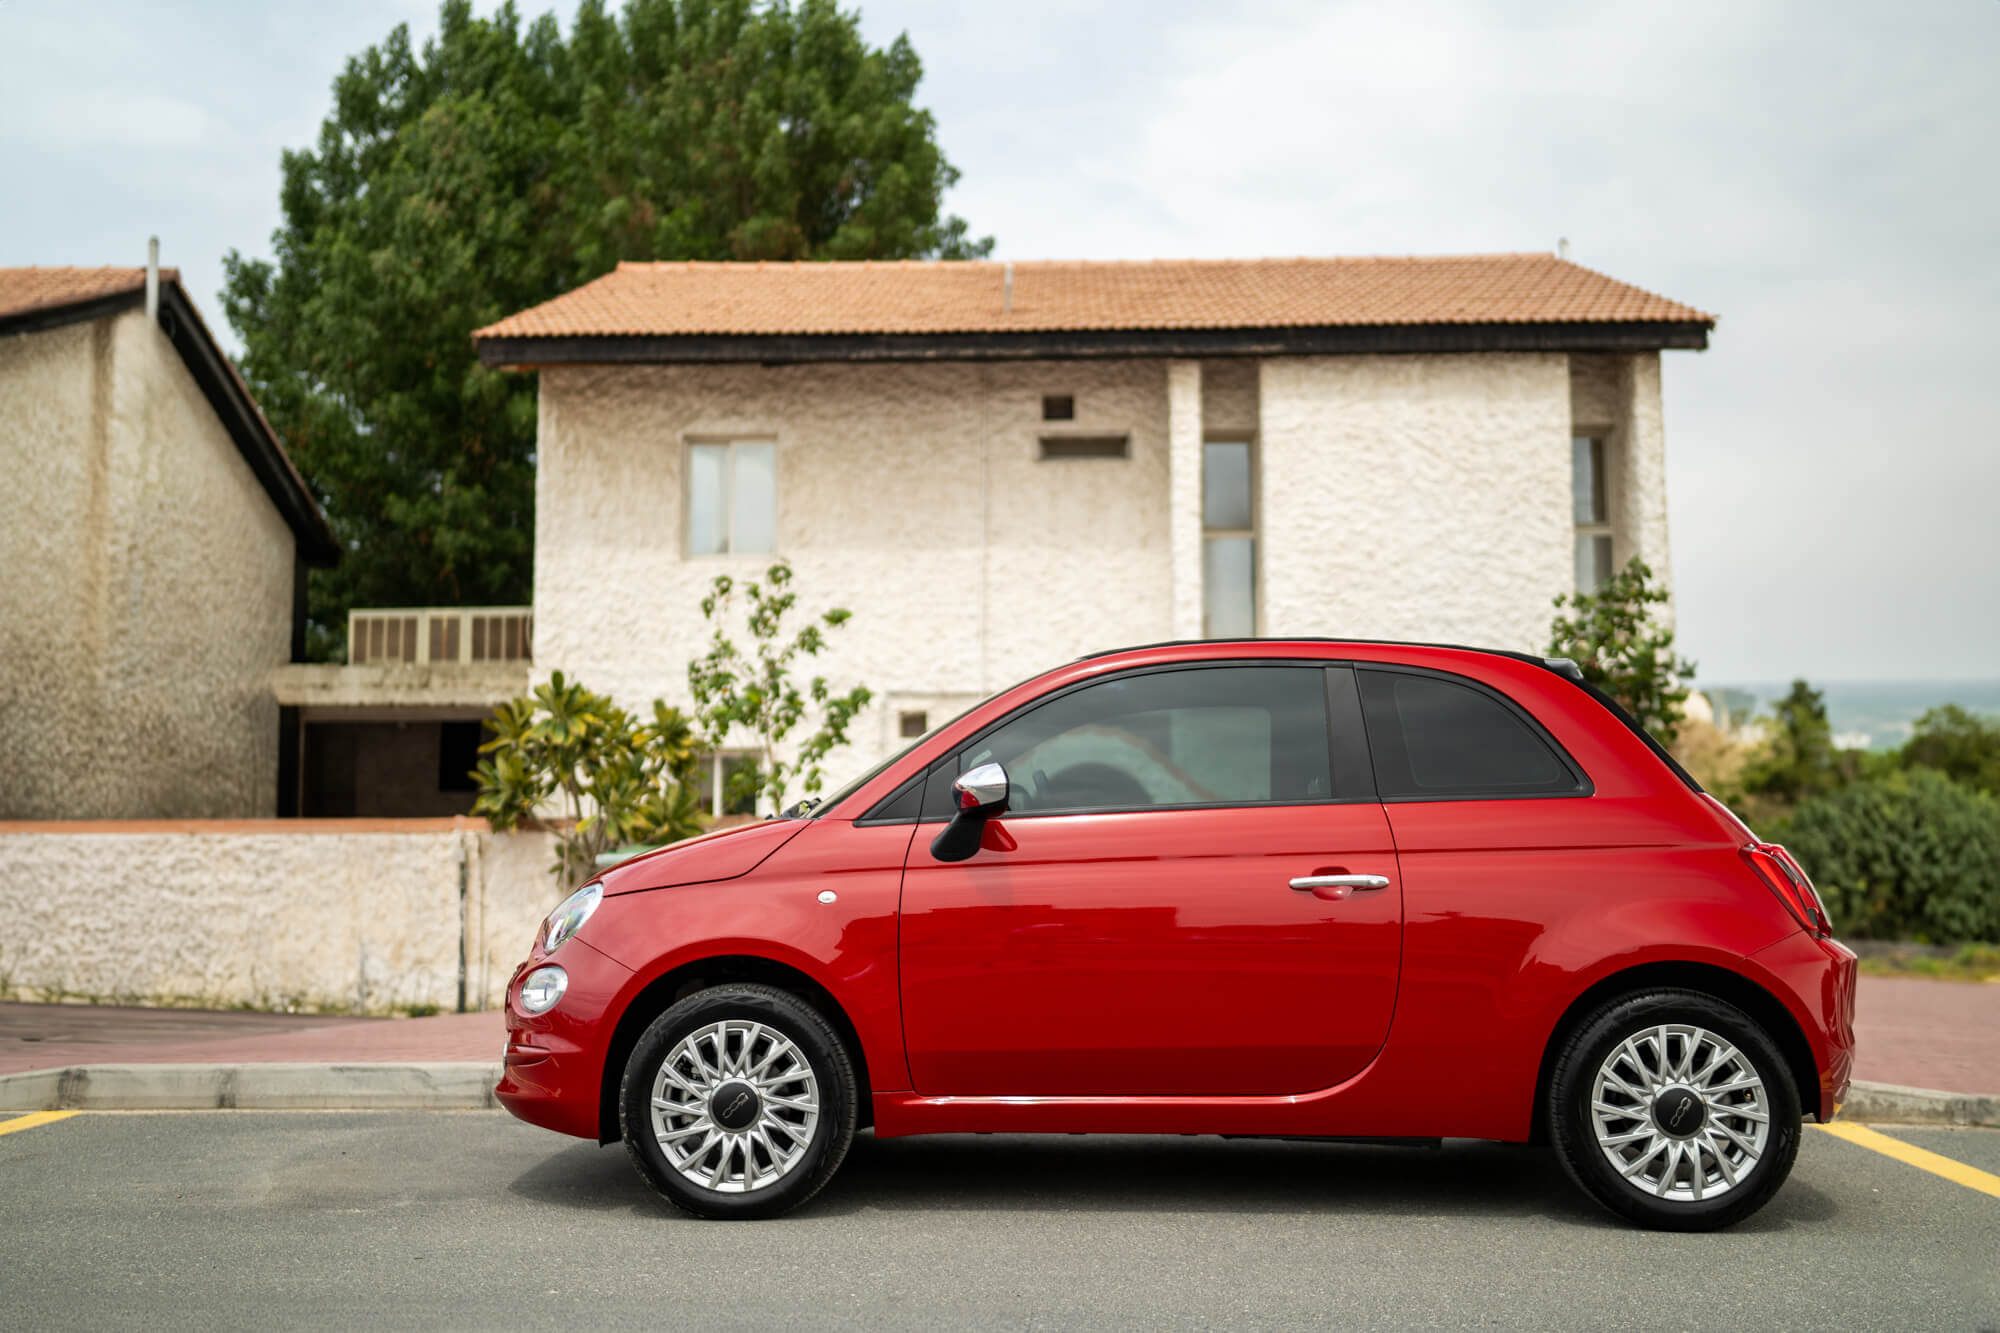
543 987
568 919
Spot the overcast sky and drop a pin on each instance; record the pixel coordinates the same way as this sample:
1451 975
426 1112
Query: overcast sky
1821 176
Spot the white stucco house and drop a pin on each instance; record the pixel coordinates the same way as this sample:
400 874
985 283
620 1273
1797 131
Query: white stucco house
998 467
154 541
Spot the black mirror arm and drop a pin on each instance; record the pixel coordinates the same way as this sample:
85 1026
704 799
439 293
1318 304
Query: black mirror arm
959 839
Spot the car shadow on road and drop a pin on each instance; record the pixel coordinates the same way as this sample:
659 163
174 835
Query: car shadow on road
1077 1173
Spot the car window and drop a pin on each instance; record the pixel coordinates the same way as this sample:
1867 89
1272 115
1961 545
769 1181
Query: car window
1206 736
1437 739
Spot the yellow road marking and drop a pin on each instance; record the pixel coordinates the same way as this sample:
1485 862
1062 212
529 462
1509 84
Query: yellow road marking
1957 1172
38 1118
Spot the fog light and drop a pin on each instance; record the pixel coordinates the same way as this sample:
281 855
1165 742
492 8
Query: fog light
544 986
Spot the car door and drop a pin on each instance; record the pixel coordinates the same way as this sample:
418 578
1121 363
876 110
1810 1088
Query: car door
1129 925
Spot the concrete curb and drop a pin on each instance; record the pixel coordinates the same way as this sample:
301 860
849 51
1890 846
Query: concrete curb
1891 1103
469 1086
266 1087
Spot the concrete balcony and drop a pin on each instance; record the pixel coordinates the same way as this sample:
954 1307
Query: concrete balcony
398 693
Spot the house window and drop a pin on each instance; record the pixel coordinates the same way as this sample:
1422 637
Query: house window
1085 446
1228 543
1592 512
912 725
727 774
732 498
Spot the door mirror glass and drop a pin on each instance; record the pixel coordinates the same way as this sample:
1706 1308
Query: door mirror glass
982 790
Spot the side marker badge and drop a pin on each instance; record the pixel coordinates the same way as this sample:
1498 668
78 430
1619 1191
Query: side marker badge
827 895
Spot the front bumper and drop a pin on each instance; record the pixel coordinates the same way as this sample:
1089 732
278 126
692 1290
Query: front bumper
553 1070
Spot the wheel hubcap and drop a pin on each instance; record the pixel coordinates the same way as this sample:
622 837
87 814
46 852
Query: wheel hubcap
734 1106
1680 1112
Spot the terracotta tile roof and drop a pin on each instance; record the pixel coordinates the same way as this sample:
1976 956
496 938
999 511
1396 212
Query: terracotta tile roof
915 297
26 289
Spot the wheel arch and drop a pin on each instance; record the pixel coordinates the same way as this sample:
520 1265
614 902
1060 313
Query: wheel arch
1766 1009
669 987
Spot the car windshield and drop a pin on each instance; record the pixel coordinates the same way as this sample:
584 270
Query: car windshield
826 806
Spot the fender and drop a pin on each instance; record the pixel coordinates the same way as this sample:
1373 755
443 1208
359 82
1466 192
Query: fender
847 946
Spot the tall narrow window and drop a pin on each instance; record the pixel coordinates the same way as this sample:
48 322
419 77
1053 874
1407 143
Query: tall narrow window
732 495
1228 543
1592 512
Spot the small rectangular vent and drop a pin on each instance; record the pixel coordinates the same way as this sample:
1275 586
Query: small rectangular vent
1086 446
1058 407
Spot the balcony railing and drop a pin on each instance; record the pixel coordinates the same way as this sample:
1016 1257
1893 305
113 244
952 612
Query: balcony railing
420 635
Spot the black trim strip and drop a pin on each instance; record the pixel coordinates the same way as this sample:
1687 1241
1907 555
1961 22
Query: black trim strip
523 353
55 317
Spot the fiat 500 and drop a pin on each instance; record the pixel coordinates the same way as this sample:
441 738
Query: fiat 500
1340 890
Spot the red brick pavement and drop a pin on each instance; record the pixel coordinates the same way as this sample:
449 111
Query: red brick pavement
51 1036
1928 1034
1924 1034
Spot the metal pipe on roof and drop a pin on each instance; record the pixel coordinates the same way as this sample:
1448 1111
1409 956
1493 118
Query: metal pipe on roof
1007 290
153 279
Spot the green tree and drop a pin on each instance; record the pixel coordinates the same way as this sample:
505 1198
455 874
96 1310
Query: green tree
503 165
1963 746
1797 757
1623 651
607 778
755 692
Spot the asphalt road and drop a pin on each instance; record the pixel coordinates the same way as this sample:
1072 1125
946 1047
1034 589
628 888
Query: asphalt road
238 1219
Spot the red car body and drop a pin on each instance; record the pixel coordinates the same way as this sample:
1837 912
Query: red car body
1218 999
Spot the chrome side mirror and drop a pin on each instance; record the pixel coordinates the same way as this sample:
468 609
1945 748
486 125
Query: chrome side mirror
983 789
979 794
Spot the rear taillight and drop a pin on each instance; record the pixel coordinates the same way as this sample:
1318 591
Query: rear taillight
1784 876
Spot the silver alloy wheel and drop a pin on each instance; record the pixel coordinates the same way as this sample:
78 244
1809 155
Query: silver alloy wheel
1680 1112
734 1106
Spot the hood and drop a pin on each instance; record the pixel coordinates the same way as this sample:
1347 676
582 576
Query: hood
724 854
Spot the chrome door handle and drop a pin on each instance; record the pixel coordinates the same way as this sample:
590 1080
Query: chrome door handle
1339 883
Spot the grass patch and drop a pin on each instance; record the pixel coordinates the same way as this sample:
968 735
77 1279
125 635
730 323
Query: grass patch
1965 962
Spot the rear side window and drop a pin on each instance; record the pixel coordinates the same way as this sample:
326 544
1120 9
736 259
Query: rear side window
1208 736
1437 739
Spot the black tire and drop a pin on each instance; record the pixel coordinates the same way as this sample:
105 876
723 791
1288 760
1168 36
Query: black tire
1573 1124
830 1134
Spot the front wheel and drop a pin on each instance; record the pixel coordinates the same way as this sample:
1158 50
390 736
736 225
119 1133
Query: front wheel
738 1102
1675 1110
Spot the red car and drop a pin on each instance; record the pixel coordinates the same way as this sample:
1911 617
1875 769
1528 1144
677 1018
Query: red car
1278 887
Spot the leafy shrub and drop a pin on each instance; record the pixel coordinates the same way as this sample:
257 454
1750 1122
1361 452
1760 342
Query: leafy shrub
608 779
1911 856
1612 635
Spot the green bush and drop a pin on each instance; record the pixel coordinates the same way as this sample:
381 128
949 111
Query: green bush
1910 856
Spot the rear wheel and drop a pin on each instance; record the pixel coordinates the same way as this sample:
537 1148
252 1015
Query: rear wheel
738 1102
1675 1110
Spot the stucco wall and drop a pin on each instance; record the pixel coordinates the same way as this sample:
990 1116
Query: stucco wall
325 914
913 495
1415 497
1421 497
145 587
